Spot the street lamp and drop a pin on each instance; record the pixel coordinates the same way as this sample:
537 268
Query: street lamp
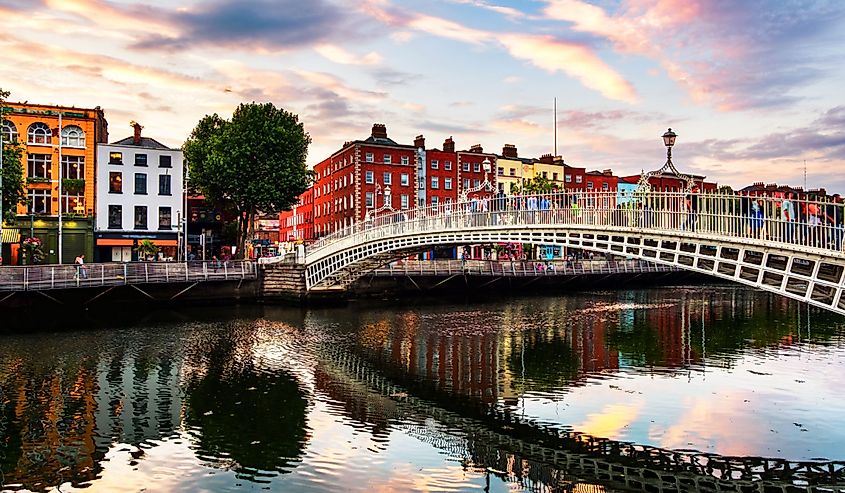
669 141
487 166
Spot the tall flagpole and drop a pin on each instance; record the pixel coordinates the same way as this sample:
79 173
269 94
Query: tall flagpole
60 187
556 128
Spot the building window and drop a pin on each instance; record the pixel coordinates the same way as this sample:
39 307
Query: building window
405 160
590 185
39 133
115 158
73 203
435 164
73 167
554 176
501 171
39 166
140 183
403 179
387 158
369 157
73 136
434 200
39 202
115 182
579 179
370 200
447 183
568 178
435 183
513 171
369 177
476 167
403 201
387 178
447 165
140 217
140 159
476 182
422 183
164 218
164 185
165 162
605 186
9 132
466 166
115 216
546 175
466 183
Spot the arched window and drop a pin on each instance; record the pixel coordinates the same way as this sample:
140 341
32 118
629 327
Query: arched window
73 136
39 133
10 132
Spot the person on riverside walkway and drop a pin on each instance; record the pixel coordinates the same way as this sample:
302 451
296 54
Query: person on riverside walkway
81 271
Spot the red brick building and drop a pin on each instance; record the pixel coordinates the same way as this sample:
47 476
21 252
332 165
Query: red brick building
298 223
440 174
670 182
600 181
364 177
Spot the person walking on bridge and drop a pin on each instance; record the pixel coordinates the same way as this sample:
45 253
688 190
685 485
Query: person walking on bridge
81 271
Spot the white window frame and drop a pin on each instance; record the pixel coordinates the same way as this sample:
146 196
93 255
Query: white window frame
405 160
73 136
466 167
447 165
435 164
435 183
476 167
370 200
447 183
39 131
9 132
369 157
369 177
403 201
387 159
387 178
403 179
579 179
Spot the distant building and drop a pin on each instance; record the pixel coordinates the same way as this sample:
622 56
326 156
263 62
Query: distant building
779 191
54 155
370 176
139 190
298 223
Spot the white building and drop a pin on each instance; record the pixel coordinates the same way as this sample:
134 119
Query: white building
139 196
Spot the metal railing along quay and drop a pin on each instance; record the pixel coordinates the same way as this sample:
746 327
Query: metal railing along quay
518 268
46 277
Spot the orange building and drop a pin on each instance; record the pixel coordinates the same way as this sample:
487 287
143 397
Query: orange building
55 156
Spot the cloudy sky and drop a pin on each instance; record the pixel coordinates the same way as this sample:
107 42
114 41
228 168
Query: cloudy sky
753 87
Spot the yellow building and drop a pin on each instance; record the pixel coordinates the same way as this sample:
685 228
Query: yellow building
512 170
55 156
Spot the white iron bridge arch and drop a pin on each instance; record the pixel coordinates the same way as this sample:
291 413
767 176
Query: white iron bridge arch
786 246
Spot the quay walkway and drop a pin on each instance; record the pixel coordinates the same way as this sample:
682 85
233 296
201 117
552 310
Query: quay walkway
518 268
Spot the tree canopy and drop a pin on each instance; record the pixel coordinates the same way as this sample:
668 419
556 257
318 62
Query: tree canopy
254 162
14 190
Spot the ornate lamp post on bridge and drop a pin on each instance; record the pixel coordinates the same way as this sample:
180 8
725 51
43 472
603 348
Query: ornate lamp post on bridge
669 141
486 185
386 206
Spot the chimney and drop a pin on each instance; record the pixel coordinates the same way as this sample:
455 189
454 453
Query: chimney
477 149
509 151
607 172
136 139
419 142
547 159
379 131
449 145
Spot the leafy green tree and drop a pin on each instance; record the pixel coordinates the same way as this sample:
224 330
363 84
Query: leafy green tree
146 248
253 163
13 190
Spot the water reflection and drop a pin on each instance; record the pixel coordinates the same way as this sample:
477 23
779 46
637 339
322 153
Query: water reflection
497 395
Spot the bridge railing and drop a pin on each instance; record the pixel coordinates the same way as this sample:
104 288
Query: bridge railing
517 268
786 221
39 278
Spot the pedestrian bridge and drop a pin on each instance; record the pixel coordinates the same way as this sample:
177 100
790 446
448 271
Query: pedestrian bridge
749 240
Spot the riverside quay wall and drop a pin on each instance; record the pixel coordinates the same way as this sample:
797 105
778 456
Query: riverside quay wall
140 284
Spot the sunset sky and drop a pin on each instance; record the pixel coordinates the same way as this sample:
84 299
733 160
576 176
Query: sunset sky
753 87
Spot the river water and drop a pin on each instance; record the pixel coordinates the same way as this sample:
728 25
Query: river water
492 395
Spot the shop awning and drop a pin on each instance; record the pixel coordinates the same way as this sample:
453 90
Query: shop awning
10 236
128 242
113 242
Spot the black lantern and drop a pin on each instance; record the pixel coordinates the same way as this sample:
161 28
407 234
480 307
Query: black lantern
669 138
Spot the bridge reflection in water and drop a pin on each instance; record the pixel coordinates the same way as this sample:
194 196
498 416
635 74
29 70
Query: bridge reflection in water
245 396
